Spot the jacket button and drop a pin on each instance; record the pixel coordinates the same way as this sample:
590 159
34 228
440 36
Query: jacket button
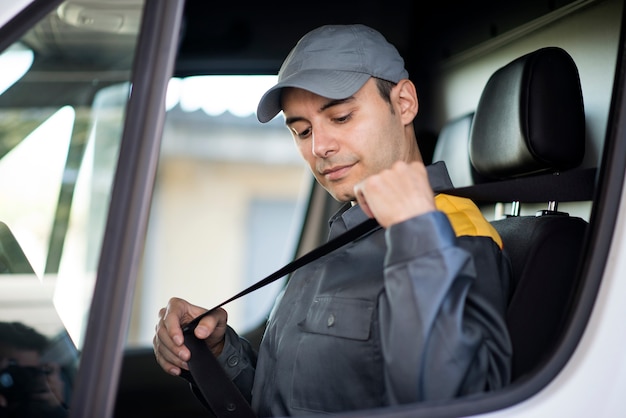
233 360
331 320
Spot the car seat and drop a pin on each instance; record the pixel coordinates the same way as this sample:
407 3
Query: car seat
526 143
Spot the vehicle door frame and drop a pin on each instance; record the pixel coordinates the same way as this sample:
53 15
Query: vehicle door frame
97 378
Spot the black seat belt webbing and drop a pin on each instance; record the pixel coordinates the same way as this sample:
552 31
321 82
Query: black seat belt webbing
567 186
343 239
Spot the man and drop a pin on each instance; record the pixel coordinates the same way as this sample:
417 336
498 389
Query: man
412 312
29 388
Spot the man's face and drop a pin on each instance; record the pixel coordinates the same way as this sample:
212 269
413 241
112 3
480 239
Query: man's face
20 357
345 141
49 390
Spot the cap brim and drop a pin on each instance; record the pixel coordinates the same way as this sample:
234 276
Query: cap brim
332 84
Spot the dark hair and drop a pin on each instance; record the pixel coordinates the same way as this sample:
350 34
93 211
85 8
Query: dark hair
18 335
384 89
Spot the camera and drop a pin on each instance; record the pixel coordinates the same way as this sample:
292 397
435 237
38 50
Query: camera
18 383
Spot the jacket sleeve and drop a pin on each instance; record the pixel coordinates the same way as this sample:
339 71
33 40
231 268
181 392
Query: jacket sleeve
238 359
442 315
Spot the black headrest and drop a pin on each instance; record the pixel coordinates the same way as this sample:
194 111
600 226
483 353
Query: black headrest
530 117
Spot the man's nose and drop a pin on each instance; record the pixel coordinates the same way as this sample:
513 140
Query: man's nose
324 143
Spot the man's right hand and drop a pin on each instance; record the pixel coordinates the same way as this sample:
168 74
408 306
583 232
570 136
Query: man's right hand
170 352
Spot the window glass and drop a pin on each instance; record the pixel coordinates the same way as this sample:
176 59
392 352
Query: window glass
63 93
228 202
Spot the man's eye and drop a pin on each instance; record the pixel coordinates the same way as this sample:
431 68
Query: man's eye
344 118
304 134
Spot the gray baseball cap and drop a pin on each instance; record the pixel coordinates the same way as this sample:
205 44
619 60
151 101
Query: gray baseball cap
334 61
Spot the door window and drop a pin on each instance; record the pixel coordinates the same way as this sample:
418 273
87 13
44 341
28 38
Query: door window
63 93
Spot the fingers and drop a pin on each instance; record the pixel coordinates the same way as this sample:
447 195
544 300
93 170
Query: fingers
168 342
170 354
212 328
396 194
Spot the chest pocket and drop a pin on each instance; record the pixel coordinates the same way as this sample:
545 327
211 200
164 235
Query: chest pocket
339 317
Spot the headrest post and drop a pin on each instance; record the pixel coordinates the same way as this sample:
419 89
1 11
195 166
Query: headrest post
553 206
515 208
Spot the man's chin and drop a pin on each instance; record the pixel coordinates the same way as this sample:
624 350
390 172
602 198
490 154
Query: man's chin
343 197
341 193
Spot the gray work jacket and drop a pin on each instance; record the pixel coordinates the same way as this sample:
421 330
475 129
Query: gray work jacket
407 314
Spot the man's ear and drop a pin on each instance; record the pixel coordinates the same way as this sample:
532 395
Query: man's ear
406 100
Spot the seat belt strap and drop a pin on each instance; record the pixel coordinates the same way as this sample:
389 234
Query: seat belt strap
567 186
339 241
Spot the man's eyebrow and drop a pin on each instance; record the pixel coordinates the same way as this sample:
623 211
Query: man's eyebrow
337 102
289 121
327 105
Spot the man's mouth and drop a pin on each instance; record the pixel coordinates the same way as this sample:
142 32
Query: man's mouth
336 173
